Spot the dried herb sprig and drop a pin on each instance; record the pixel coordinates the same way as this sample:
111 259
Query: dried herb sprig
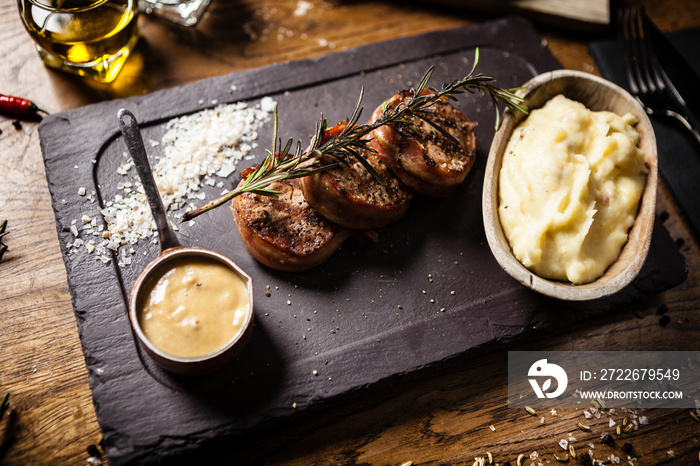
4 404
9 437
420 104
3 232
349 137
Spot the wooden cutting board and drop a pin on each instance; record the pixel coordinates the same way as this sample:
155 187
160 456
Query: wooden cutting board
428 292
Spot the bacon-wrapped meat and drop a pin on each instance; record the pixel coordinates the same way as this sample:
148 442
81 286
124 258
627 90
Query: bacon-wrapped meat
285 233
421 155
350 196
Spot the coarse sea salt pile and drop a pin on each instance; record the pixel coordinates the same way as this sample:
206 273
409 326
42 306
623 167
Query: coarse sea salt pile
198 149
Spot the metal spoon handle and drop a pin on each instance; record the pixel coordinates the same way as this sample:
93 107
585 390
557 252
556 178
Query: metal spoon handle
134 143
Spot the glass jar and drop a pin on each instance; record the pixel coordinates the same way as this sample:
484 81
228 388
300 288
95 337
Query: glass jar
91 38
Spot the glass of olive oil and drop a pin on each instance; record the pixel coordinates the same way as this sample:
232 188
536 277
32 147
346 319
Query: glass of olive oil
91 38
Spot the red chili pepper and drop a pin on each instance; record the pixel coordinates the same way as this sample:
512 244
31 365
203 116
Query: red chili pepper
18 106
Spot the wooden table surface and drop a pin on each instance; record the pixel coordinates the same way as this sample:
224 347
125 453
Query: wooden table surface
451 415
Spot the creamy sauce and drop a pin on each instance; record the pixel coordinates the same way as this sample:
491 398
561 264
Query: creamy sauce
569 189
193 306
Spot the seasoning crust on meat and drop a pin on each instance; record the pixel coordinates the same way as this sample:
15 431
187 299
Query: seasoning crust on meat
424 158
285 233
350 196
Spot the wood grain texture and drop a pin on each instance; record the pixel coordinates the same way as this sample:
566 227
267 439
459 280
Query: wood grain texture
442 417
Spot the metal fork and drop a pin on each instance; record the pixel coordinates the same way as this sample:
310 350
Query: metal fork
647 80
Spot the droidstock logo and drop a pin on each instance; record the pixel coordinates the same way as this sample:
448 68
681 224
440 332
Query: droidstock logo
542 369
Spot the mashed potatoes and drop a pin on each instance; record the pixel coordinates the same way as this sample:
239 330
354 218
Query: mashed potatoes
569 189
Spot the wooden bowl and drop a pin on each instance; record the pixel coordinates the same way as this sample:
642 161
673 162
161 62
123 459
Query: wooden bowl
597 94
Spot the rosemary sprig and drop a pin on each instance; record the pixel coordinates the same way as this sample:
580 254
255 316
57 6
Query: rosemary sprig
8 437
3 246
284 165
4 404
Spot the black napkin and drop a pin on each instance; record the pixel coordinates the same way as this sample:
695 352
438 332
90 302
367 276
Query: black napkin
679 154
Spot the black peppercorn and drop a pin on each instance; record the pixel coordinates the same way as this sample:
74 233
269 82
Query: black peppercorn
93 451
585 459
607 439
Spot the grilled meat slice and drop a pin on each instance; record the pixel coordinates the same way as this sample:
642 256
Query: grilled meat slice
425 159
285 233
351 197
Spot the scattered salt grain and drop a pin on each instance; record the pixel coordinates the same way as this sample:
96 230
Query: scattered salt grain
302 8
123 169
564 444
267 104
195 148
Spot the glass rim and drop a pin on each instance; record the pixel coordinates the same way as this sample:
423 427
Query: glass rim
47 5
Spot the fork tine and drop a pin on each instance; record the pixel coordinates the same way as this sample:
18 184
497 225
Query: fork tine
632 68
639 53
647 80
648 63
643 72
654 66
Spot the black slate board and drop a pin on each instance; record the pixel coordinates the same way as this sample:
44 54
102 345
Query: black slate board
679 154
370 313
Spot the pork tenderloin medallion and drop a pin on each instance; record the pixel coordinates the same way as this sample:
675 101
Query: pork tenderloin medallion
351 197
285 233
424 158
